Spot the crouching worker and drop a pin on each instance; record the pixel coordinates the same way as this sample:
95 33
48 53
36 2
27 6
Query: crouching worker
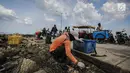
60 49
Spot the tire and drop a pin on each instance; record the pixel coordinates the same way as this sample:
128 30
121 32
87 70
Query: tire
121 41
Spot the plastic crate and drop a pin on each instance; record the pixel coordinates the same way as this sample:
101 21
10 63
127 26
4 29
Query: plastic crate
79 46
89 46
14 40
101 34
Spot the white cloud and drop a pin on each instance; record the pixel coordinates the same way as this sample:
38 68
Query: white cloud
7 14
79 13
111 11
86 12
54 7
19 21
28 20
50 19
10 15
82 13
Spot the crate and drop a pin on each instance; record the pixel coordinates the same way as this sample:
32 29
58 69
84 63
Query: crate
89 46
101 34
79 46
14 39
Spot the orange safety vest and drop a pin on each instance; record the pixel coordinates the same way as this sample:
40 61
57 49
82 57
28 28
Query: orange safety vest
63 39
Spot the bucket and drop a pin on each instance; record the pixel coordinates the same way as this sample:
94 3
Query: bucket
89 46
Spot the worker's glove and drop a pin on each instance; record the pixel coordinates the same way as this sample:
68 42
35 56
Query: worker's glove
80 40
81 65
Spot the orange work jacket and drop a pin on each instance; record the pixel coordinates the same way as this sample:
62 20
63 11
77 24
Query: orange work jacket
63 39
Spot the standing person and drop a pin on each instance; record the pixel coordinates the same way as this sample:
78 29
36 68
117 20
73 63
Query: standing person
38 34
68 29
65 30
48 31
48 37
44 32
99 28
54 31
60 49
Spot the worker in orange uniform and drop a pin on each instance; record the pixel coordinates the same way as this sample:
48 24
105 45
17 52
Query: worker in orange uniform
60 49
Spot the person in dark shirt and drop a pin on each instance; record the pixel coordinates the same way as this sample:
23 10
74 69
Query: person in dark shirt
44 32
54 31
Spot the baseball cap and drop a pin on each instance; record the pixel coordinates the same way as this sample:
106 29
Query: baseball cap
75 34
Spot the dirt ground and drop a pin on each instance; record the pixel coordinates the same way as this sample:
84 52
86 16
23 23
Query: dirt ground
33 57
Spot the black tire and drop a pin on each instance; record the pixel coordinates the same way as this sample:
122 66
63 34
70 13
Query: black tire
121 41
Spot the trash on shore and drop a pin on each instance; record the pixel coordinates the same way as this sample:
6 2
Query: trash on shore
32 56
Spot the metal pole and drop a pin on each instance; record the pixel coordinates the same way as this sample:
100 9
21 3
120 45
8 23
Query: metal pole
61 21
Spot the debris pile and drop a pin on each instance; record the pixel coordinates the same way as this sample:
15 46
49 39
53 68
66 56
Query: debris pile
33 57
3 40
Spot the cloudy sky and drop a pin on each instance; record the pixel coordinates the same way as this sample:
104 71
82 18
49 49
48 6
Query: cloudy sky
28 16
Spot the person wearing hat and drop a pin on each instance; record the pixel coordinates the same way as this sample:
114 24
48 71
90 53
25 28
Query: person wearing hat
78 43
60 49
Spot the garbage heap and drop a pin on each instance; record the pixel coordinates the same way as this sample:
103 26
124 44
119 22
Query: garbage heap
3 40
32 56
